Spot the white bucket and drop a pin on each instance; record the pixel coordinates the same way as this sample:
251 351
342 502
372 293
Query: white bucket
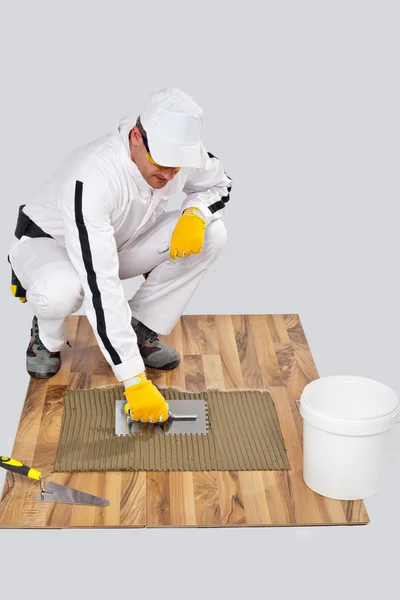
347 426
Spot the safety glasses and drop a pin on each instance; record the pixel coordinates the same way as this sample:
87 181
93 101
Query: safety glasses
150 158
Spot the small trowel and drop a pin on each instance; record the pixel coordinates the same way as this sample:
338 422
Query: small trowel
185 417
52 492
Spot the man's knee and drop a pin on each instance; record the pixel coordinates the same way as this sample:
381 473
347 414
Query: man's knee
56 296
216 237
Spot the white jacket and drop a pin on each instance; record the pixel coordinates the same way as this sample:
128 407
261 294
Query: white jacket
96 203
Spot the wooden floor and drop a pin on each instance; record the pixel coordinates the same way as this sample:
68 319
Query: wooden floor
217 351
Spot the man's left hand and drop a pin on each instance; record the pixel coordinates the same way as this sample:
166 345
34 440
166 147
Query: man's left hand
188 235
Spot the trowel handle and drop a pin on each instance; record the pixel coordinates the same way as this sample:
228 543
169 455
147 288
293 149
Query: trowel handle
182 417
17 467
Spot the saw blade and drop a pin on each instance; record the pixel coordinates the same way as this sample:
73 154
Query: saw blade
179 409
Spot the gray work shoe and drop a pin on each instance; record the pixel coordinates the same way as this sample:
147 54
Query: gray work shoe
40 362
155 354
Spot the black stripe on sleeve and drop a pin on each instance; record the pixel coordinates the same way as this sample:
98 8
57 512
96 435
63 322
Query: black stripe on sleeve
91 274
220 204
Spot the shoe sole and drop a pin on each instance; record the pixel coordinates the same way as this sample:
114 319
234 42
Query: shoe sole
166 367
39 375
42 374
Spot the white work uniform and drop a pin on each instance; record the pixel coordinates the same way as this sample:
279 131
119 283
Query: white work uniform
107 224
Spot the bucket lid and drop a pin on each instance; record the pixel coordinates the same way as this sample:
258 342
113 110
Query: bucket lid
350 398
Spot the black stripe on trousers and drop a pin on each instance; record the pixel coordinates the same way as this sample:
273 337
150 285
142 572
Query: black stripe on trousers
220 204
91 275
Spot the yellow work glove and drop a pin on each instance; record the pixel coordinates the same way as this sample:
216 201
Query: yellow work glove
188 235
145 401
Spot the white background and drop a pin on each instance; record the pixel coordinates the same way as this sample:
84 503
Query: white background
301 104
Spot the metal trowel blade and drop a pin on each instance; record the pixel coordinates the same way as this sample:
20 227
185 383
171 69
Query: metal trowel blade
198 424
55 492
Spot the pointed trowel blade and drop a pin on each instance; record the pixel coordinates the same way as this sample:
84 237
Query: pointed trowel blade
55 492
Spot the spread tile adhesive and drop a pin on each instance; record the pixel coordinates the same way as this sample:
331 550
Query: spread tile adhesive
220 430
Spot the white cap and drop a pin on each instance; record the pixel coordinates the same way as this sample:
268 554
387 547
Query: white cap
172 121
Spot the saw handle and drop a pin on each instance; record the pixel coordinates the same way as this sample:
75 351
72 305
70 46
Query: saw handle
18 467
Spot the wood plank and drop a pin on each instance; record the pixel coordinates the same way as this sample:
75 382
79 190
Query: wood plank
294 377
182 503
133 499
301 349
206 498
228 352
194 373
355 511
85 516
279 496
208 334
304 364
278 331
230 498
292 374
175 377
254 499
252 374
192 336
83 341
201 485
109 484
264 348
213 371
99 367
158 500
164 505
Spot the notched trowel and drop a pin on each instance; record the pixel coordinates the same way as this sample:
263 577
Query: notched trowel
185 417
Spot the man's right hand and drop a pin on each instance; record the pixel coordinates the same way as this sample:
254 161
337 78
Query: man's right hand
145 401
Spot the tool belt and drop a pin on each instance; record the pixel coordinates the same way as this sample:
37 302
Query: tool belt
25 226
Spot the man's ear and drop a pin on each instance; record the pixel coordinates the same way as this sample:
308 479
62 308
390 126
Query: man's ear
135 136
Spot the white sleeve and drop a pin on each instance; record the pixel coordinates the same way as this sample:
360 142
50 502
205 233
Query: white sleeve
208 188
91 245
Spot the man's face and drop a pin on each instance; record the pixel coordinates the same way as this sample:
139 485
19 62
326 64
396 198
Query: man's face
157 177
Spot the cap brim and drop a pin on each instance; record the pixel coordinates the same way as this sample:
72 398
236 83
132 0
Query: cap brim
172 155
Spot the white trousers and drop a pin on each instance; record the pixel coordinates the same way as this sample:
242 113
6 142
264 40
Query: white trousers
54 291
